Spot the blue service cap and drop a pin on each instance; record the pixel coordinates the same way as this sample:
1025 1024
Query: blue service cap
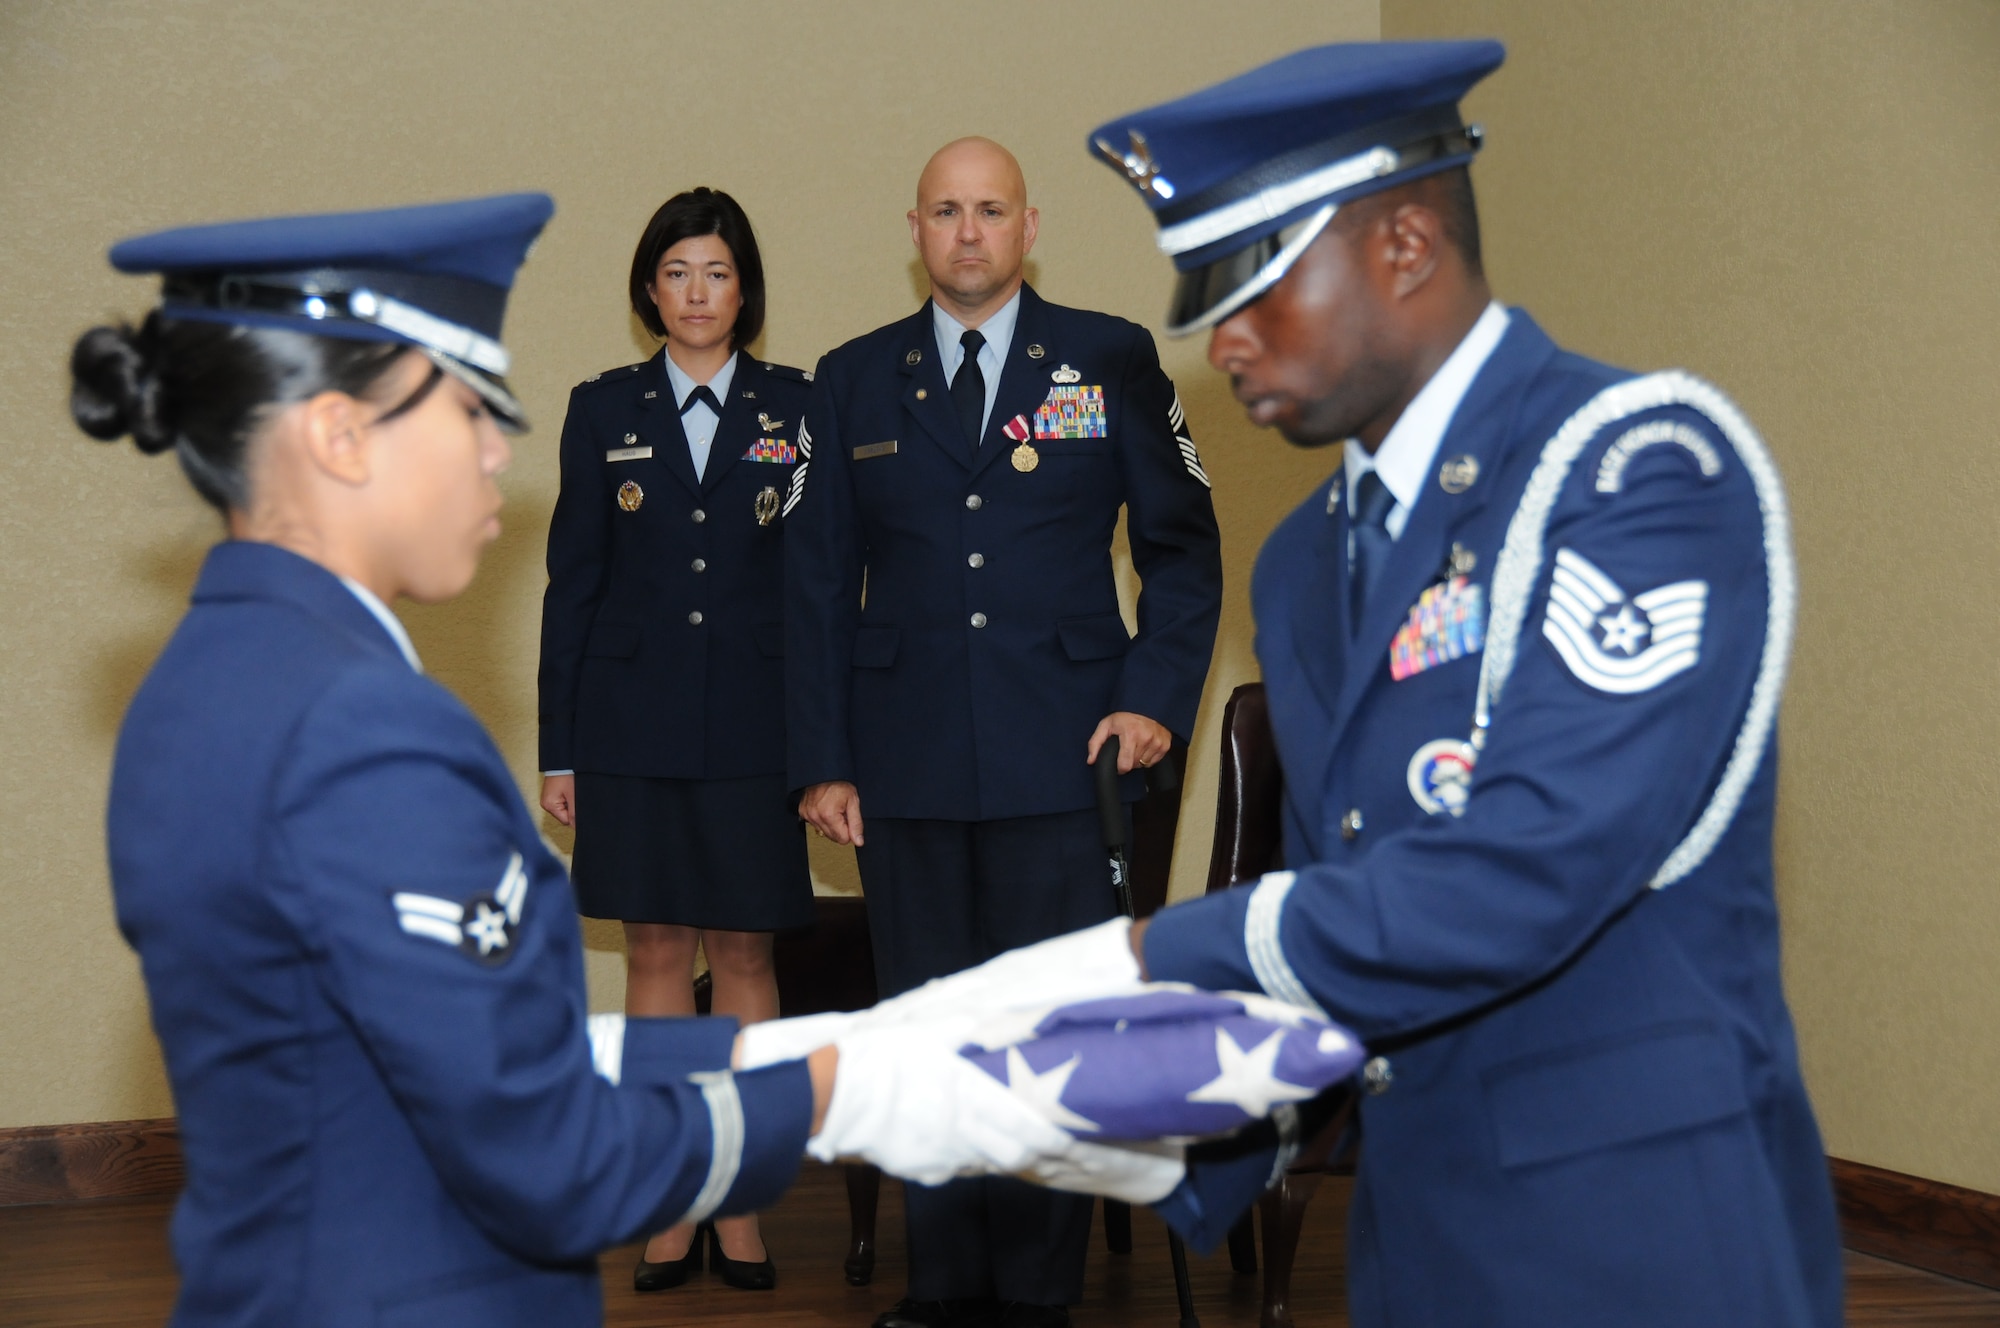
1242 176
435 277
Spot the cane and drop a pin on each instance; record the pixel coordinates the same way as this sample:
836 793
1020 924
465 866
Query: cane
1111 824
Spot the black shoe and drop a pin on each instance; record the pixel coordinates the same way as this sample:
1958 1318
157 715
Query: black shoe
740 1273
1026 1314
978 1312
670 1273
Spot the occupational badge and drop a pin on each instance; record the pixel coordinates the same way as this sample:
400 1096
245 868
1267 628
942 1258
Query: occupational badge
765 506
772 449
1447 622
1065 375
1071 412
1620 643
630 495
1440 775
767 424
1025 457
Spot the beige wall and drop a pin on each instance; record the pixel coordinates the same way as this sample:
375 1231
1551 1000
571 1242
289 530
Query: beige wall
1798 201
118 116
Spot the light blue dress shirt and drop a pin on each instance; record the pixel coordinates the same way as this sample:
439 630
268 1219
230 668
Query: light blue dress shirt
999 333
699 423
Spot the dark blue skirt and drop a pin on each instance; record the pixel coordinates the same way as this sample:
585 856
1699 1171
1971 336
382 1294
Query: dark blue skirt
722 854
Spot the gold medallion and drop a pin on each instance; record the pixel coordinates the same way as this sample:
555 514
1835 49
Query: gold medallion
765 506
1026 458
630 495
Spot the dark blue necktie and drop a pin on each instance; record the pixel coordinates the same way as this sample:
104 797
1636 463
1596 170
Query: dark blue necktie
701 396
1372 504
968 390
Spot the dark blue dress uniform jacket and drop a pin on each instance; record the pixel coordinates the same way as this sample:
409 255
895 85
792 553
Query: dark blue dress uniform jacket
663 627
990 643
1593 1110
383 1126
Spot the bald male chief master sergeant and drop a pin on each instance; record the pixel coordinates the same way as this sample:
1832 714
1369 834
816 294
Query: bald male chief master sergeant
967 464
1524 650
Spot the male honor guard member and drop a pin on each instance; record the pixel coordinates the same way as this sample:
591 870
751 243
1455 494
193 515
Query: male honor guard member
967 464
1524 653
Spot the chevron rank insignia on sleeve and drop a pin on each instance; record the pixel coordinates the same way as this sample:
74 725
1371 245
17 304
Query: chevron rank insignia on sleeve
483 927
1177 421
1618 643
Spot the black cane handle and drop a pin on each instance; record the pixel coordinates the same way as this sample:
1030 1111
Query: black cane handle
1110 806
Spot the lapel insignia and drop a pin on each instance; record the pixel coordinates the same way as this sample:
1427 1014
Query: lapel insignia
914 357
630 495
1137 163
767 424
1440 776
1458 474
765 506
1035 351
1448 622
1065 375
749 396
1072 412
1619 643
772 449
651 395
631 438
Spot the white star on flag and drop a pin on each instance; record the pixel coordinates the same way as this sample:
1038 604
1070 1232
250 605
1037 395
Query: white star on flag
1044 1091
1248 1080
1623 631
489 929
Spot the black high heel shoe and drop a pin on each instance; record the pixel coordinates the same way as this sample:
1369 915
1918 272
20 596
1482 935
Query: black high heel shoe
670 1272
740 1273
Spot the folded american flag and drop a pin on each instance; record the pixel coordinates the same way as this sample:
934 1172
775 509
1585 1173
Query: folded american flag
1166 1063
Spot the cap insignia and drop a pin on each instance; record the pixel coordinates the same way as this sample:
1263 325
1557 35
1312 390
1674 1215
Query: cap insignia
1138 165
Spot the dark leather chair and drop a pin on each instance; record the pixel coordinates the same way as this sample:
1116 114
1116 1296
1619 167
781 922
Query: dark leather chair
1249 842
831 966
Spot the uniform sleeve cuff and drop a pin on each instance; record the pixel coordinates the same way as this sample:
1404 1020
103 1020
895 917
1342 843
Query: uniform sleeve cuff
1201 942
671 1051
760 1120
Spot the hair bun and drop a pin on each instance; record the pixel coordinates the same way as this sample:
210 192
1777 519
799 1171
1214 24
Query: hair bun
114 389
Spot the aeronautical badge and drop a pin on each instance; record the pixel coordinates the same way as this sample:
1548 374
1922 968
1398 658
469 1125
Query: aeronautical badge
1440 775
484 927
1071 412
1065 375
1025 457
630 495
1618 643
1447 622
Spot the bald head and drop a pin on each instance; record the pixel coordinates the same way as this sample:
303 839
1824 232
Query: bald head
973 227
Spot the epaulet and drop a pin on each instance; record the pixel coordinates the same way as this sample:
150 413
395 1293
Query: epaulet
787 371
611 375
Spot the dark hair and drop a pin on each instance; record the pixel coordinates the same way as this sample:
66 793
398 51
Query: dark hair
701 211
204 389
1448 193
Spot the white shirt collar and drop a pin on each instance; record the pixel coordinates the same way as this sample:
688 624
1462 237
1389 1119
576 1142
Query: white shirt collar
998 331
1404 459
390 623
682 384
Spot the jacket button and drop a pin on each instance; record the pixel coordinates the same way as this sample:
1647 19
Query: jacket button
1376 1076
695 618
699 564
978 620
976 560
974 502
1350 824
699 516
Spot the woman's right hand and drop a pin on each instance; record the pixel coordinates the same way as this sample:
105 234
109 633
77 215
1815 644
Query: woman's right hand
559 797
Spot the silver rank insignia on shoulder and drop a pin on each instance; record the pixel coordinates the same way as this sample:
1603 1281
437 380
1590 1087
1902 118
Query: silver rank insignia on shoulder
1618 643
1137 163
767 424
1065 375
483 927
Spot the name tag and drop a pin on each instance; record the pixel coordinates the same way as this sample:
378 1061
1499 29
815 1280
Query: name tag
628 454
875 450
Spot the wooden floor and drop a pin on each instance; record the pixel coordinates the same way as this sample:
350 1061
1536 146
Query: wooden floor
105 1263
